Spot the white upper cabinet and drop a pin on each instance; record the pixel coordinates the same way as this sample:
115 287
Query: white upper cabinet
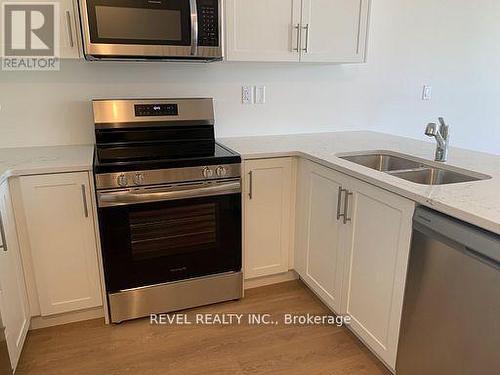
377 249
60 227
331 31
267 216
319 252
334 30
69 26
262 30
13 299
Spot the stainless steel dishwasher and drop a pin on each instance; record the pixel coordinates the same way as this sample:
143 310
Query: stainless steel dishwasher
451 312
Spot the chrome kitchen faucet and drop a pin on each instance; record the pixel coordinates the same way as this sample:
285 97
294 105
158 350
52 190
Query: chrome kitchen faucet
442 135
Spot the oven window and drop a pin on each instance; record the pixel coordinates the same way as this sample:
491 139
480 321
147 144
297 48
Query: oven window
134 23
158 242
171 231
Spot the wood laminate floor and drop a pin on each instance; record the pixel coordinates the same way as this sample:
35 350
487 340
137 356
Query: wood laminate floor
137 347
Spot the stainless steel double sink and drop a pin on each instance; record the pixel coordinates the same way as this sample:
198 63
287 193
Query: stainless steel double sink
419 171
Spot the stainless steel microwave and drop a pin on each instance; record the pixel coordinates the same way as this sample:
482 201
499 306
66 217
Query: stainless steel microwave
176 30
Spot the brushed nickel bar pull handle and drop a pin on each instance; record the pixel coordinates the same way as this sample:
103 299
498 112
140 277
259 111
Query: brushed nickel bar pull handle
346 206
84 196
193 6
306 28
2 233
297 28
250 189
131 196
69 29
339 202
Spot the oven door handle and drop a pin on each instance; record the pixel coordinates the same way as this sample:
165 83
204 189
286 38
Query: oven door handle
127 197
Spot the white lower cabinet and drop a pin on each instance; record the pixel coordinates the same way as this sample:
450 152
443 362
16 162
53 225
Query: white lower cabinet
62 241
267 205
319 255
377 248
352 243
13 298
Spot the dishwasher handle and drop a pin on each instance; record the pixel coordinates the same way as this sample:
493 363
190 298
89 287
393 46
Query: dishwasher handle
479 242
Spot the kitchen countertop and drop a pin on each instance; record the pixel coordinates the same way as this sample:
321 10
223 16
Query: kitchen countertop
22 161
476 202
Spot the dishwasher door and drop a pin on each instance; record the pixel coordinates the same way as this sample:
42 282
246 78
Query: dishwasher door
451 312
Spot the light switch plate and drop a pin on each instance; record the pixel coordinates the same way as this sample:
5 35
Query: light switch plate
260 94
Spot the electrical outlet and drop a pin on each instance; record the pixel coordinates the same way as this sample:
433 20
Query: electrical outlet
260 94
427 93
247 96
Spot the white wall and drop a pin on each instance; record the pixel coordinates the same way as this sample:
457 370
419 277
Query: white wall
449 44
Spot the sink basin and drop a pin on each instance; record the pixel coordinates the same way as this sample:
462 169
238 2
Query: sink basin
419 171
434 176
383 162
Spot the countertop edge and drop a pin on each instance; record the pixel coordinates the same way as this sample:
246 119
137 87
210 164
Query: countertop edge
435 205
40 160
42 170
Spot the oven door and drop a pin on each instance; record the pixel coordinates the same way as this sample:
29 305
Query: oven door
139 28
151 236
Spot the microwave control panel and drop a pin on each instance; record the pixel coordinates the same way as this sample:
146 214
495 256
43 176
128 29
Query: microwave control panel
208 20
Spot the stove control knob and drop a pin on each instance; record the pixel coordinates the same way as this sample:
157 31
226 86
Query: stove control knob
221 171
122 180
139 178
207 172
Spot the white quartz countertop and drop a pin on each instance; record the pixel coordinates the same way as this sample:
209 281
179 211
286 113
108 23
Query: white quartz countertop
22 161
476 202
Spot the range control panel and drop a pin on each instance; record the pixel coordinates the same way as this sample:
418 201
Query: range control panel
208 18
143 110
167 176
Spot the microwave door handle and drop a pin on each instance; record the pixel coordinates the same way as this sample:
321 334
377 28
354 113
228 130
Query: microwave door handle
194 26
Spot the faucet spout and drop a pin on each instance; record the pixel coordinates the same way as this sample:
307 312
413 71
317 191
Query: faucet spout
441 135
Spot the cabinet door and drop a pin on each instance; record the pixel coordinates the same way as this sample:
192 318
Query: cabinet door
334 30
68 29
322 258
60 227
267 209
14 301
262 30
377 257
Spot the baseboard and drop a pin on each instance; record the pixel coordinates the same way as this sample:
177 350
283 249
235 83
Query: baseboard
38 322
269 280
393 371
321 299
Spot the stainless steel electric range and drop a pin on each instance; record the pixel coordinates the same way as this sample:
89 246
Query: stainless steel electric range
169 206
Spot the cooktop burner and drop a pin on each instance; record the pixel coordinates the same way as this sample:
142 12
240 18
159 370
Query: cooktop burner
220 155
138 135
